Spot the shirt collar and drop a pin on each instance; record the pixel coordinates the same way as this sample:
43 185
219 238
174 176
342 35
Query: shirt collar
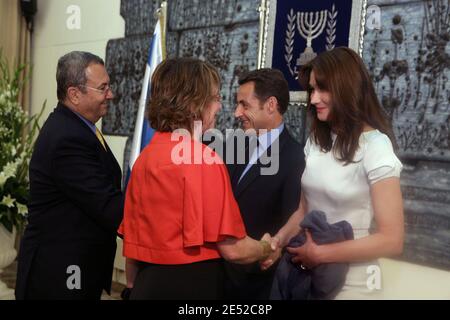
89 124
266 139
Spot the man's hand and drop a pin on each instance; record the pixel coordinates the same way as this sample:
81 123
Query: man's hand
276 251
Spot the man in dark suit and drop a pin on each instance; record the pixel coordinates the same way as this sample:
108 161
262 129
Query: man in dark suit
266 198
76 203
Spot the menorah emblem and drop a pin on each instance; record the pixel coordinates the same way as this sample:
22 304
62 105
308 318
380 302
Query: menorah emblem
310 25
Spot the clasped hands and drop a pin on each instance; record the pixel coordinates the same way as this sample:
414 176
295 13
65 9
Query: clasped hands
306 256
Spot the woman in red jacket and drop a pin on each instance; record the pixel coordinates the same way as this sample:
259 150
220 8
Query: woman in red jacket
180 216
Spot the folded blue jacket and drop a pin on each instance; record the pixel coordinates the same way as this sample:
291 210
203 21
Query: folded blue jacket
324 281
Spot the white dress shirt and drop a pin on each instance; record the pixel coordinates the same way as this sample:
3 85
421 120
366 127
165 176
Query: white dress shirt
265 141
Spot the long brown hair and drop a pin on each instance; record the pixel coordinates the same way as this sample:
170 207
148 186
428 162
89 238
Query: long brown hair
181 90
342 73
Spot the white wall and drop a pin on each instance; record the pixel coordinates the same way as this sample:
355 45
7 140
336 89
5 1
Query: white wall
402 280
101 21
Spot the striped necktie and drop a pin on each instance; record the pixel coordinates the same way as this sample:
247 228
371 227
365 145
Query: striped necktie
100 138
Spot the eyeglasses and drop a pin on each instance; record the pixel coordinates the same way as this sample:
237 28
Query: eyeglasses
104 91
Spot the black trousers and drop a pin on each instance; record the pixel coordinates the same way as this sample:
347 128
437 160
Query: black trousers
247 282
48 277
47 285
195 281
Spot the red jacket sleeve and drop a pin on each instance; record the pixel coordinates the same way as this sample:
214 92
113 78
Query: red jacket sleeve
210 211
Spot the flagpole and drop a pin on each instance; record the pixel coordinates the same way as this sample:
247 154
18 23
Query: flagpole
162 13
263 8
158 41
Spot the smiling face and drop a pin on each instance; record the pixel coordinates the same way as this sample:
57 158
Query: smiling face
250 111
93 102
320 99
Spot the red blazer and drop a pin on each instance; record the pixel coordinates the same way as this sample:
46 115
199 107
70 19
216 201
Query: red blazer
175 213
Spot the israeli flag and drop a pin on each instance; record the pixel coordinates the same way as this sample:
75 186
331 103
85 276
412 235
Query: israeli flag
142 130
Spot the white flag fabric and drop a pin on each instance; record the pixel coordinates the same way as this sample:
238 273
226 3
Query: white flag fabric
142 131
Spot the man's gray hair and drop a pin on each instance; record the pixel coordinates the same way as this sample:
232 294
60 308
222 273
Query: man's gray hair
71 71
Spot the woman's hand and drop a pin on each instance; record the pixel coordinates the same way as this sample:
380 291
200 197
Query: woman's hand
308 255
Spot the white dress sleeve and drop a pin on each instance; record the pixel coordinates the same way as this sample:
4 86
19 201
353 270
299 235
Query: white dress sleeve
380 161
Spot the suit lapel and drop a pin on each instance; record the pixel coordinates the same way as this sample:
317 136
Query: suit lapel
65 110
236 168
248 178
106 156
236 174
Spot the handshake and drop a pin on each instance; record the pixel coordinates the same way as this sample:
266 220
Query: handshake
271 251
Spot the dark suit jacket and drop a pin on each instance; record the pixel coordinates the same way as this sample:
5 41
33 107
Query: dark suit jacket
75 208
266 203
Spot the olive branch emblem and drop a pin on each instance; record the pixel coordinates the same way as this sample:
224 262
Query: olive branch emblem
289 43
331 28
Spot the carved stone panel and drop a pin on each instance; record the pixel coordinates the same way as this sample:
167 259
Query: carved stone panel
409 60
295 120
191 14
231 51
426 193
139 16
125 62
410 64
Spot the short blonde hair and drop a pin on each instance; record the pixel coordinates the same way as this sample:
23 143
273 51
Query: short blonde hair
181 88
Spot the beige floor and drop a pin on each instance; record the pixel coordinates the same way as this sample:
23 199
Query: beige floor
9 278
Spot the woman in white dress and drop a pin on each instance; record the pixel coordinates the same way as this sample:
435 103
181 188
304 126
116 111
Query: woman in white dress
351 173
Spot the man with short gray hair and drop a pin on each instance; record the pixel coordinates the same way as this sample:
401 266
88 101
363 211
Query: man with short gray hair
76 203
